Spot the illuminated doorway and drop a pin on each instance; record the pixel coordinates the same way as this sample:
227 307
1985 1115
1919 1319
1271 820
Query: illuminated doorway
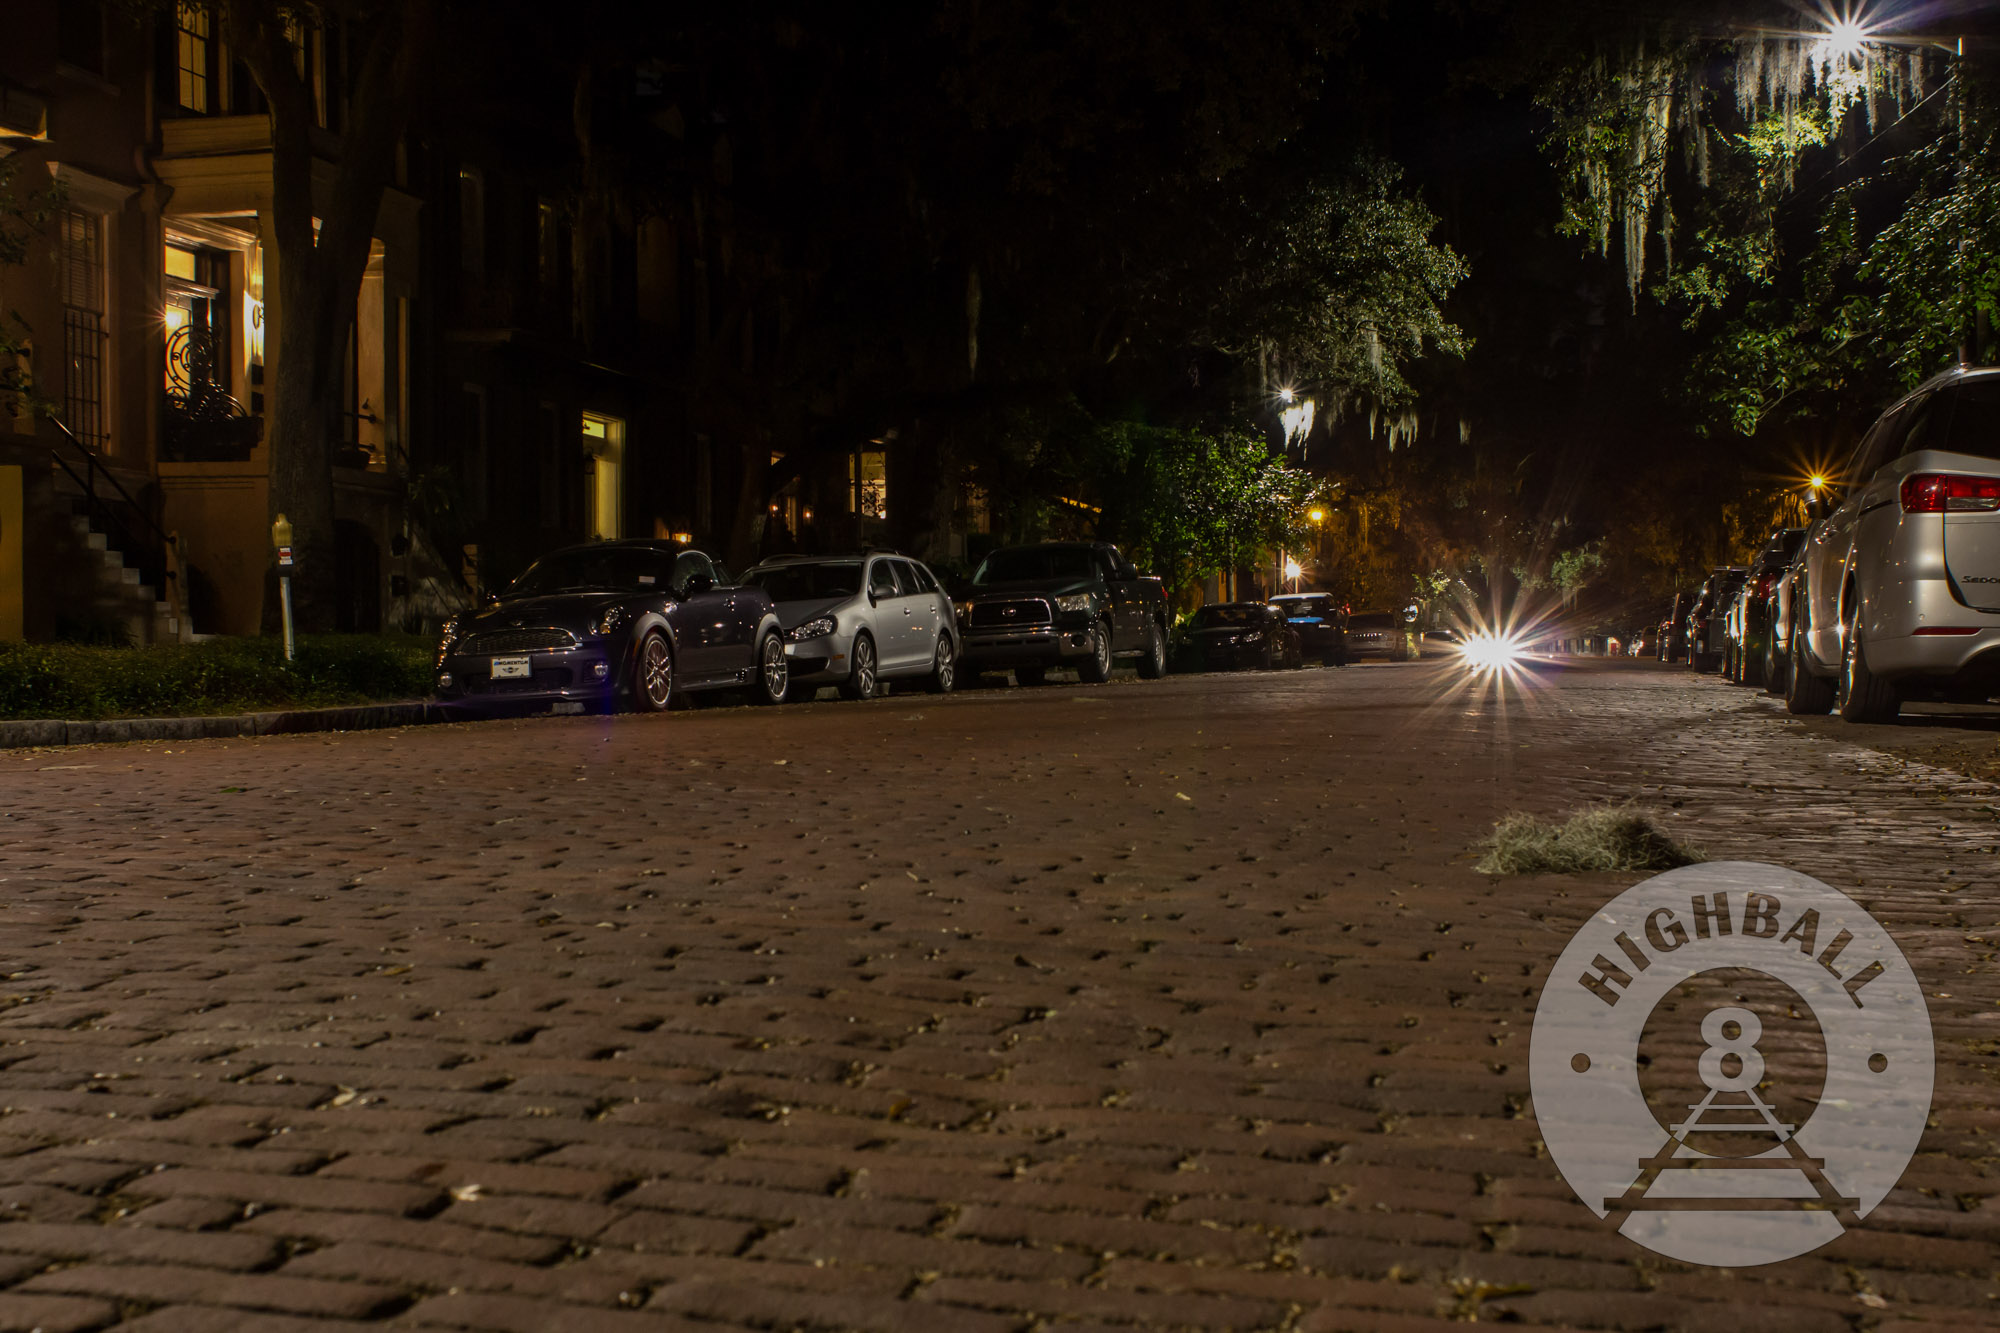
604 442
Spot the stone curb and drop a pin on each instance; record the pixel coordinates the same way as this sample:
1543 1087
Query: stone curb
366 717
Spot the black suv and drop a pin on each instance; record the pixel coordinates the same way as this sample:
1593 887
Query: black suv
1059 604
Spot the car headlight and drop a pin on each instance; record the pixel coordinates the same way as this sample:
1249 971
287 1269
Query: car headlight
812 629
612 619
1076 601
963 610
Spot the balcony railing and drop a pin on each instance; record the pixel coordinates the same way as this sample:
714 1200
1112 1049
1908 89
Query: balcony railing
199 421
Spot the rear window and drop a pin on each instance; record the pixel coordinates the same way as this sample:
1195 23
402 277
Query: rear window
1961 419
1229 615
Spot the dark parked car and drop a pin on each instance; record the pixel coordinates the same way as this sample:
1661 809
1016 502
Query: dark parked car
632 621
1378 634
1058 604
1245 634
1705 619
1673 633
1750 624
1319 621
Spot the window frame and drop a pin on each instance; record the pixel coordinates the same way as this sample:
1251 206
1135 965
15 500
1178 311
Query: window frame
86 332
194 59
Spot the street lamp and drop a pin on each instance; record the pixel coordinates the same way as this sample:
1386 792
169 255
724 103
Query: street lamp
1292 572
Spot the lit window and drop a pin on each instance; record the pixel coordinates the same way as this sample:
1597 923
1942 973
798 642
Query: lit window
868 483
191 55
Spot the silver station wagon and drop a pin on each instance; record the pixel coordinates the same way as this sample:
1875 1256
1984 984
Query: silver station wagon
856 621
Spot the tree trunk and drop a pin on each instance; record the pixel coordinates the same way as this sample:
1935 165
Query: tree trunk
319 276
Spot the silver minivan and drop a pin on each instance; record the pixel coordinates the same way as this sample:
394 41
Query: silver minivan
856 621
1897 591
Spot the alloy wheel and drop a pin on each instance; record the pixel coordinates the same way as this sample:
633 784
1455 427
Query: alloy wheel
776 670
656 673
861 680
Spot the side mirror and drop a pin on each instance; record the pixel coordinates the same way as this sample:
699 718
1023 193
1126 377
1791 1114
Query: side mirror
698 585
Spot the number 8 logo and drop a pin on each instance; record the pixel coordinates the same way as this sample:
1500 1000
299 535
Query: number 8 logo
1732 1035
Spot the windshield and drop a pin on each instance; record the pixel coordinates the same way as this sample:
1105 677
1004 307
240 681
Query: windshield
597 568
1297 608
1035 564
802 583
1227 615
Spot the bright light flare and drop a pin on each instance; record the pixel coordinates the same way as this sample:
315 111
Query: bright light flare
1846 38
1292 569
1816 482
1491 652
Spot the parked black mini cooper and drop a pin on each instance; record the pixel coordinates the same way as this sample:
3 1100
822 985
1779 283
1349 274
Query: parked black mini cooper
631 621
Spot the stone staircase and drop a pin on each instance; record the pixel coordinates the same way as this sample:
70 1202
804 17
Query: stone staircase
117 596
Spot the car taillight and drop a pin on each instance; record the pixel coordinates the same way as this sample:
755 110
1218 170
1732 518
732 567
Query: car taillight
1942 492
1764 583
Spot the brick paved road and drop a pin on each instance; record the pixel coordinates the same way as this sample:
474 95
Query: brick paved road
1174 1005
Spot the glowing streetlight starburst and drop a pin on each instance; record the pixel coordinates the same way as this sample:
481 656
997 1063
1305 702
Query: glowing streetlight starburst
1847 39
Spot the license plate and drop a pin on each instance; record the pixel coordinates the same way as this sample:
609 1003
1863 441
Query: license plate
511 668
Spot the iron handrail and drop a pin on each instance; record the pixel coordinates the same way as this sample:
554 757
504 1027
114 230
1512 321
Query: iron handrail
91 468
168 545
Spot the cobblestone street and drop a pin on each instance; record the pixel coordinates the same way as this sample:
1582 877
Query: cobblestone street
1162 1004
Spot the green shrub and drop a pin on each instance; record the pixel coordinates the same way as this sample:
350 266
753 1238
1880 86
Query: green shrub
220 675
1606 837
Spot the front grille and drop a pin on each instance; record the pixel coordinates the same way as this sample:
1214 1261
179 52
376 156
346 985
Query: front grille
500 642
1022 613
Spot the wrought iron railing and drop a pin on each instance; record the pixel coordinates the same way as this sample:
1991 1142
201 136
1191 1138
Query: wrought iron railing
128 526
199 421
